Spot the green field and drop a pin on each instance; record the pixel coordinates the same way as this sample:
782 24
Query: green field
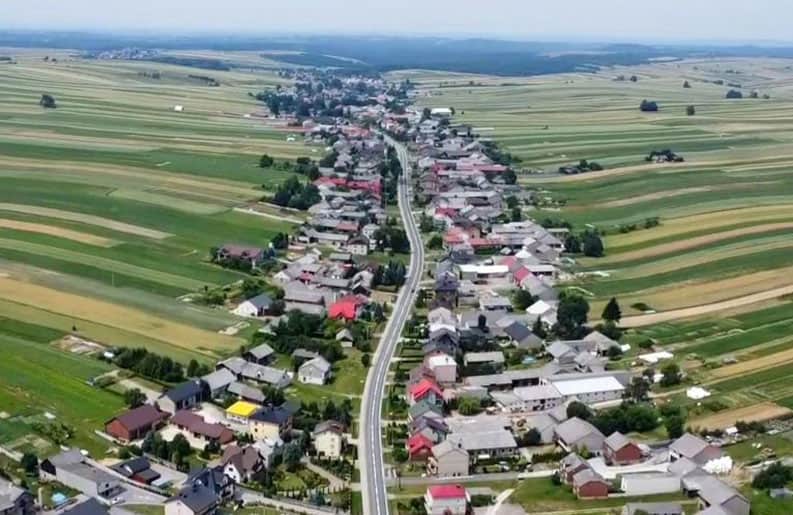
116 197
725 213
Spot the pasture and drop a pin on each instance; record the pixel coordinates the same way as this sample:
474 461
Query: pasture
114 198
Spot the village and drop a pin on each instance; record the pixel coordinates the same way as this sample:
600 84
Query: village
498 369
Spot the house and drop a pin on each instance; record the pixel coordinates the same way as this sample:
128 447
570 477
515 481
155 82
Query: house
620 450
485 442
270 423
261 354
254 307
347 308
443 367
587 484
268 449
522 337
195 499
70 468
493 361
241 464
246 392
446 500
251 256
137 469
346 338
695 449
424 409
218 382
329 439
575 433
588 388
653 508
136 423
182 397
199 432
545 311
241 411
243 369
213 478
358 245
448 460
88 507
15 500
425 391
433 428
315 371
715 496
571 465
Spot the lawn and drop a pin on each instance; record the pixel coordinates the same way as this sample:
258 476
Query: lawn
38 379
781 445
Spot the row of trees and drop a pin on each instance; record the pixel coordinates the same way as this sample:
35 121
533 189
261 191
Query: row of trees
149 364
296 195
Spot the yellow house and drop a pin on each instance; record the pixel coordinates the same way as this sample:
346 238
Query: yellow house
241 411
270 423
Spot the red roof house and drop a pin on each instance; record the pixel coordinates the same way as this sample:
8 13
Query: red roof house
520 274
135 423
347 307
446 499
419 447
425 390
447 492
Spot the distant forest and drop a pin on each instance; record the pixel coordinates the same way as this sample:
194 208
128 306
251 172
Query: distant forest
378 54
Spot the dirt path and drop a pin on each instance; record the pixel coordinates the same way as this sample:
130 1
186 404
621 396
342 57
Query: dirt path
705 309
755 413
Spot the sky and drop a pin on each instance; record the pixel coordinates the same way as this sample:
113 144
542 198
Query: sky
596 20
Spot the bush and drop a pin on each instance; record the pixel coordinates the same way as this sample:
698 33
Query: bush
775 476
648 106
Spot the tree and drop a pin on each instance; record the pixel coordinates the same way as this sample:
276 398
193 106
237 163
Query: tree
47 101
691 110
512 202
614 352
648 106
30 464
775 475
366 360
516 214
670 374
436 242
733 93
578 409
266 161
571 314
469 406
292 455
638 389
134 398
522 299
612 311
572 244
675 426
593 245
533 437
539 329
686 84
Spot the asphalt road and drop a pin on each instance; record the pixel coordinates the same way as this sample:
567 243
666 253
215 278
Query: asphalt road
370 447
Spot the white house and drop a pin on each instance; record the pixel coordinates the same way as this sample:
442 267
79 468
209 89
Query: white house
329 439
444 367
314 371
446 500
254 307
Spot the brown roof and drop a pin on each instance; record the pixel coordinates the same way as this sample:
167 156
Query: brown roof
196 424
140 417
245 459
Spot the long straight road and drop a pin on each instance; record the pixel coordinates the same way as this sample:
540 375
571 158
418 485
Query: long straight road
370 446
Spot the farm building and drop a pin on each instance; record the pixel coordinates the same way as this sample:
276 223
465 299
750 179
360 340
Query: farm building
136 423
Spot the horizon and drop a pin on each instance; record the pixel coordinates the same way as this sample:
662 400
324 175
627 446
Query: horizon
704 22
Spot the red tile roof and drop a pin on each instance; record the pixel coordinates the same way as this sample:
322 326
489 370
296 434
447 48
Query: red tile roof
346 307
520 274
423 387
447 491
418 443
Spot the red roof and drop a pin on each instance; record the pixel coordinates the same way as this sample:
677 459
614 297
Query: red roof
347 227
446 211
521 273
423 387
509 261
417 443
346 307
447 492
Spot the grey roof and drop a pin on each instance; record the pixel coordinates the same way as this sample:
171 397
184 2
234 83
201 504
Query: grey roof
344 334
654 508
616 441
246 392
558 349
689 445
256 372
261 301
261 351
329 425
711 489
683 467
537 392
88 507
446 447
219 379
318 363
573 460
185 391
506 378
484 440
197 497
9 493
585 476
302 353
518 331
575 429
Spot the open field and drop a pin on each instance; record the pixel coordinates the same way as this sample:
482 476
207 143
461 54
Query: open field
755 413
110 203
725 212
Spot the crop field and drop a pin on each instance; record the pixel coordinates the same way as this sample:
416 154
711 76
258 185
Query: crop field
109 205
725 213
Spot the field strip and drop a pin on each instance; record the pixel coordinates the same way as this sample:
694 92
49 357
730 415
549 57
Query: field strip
755 413
179 204
613 172
160 176
280 218
677 262
114 315
86 219
658 195
712 220
105 264
676 246
60 232
694 311
752 365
